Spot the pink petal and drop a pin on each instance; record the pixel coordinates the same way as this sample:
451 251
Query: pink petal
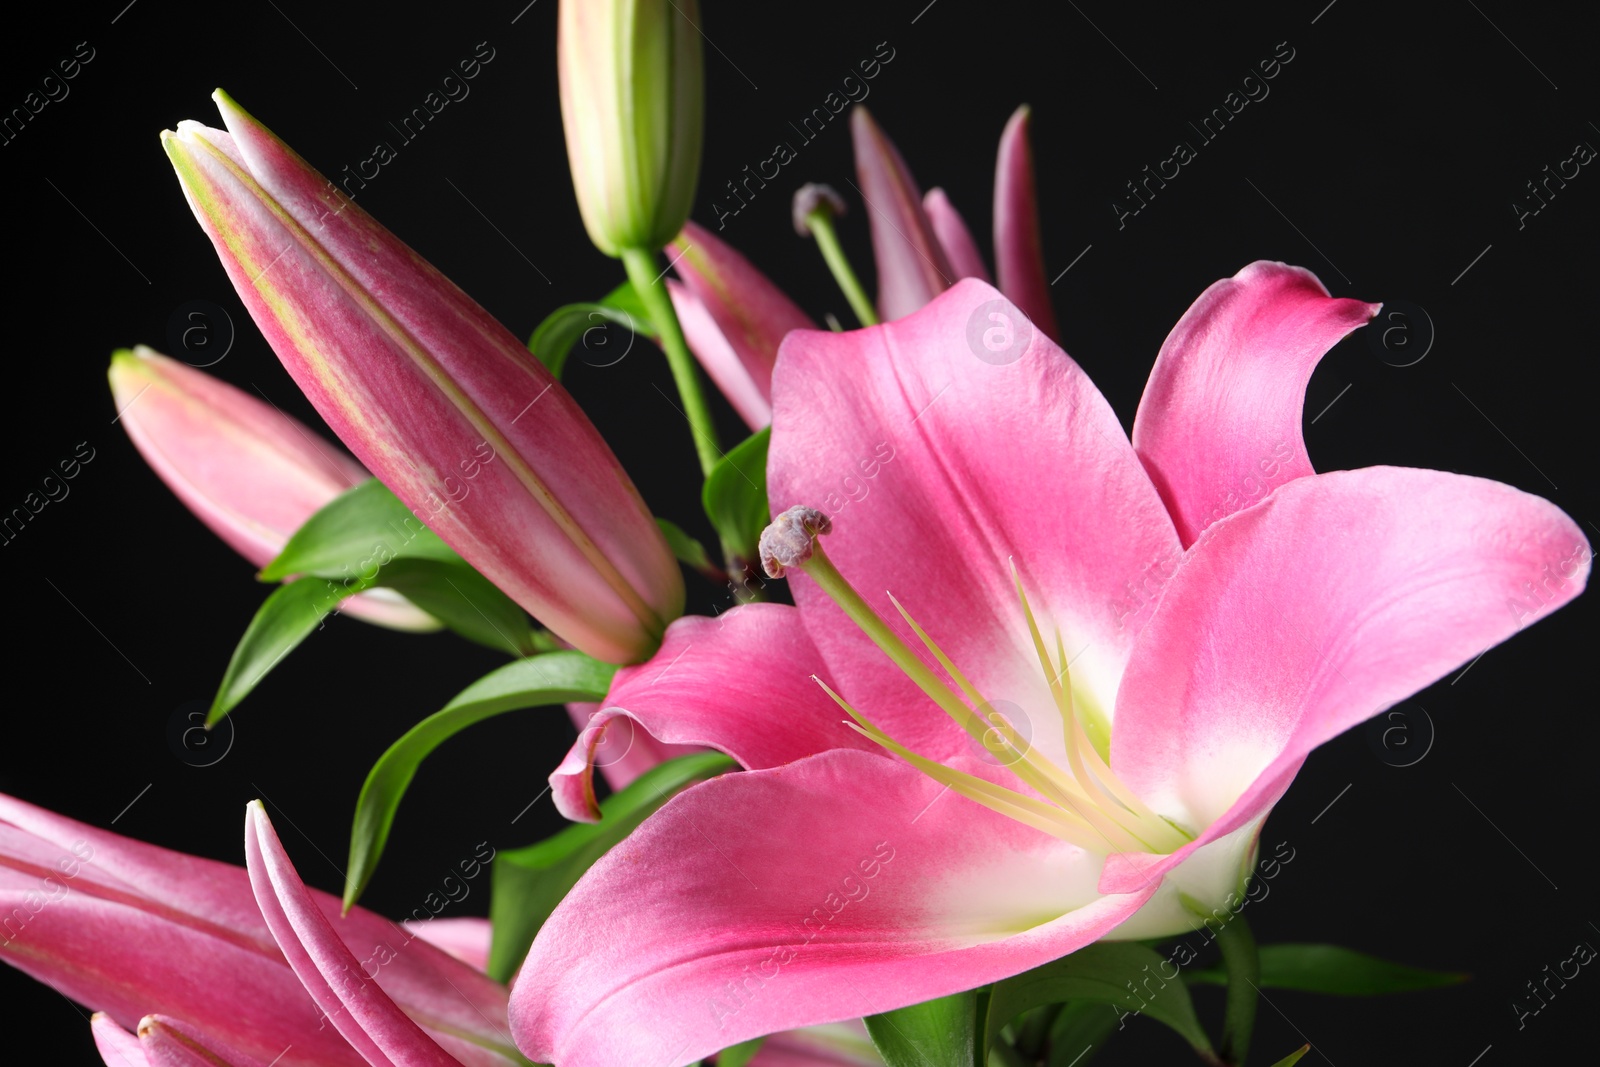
117 1046
1219 425
246 470
939 461
383 1034
130 929
741 683
751 927
624 752
721 363
169 1042
1018 255
912 268
465 939
954 237
1337 597
750 312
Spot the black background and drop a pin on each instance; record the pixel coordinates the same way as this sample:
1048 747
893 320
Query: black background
1394 143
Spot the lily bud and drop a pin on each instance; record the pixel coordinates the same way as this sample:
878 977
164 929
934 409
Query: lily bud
747 314
248 471
633 103
438 399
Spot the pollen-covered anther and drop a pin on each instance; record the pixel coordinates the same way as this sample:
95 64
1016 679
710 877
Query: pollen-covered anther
791 538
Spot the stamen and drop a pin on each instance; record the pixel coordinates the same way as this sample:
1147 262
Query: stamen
1089 807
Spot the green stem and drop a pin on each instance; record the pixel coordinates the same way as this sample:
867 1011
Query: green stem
1243 965
640 264
821 223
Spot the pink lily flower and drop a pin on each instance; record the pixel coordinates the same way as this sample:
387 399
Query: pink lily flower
194 961
248 471
1098 665
922 245
734 319
436 398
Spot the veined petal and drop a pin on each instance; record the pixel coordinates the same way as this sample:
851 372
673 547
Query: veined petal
1337 597
722 364
750 312
954 237
911 437
912 268
1219 424
363 1013
433 395
741 683
1018 253
836 886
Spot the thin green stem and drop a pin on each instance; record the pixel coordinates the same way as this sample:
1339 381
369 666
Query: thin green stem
1243 965
821 223
641 267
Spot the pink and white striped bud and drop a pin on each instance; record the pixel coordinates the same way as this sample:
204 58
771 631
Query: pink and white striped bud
438 399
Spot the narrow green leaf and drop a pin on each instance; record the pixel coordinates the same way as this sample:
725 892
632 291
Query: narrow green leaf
590 323
1081 1030
464 600
946 1032
355 533
449 590
529 882
1335 971
553 678
287 618
740 1054
1121 973
689 551
1294 1057
735 495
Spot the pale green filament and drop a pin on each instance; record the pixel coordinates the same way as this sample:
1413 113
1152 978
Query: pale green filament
1089 807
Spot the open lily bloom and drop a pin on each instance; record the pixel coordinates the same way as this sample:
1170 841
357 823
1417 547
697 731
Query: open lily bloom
1079 670
175 949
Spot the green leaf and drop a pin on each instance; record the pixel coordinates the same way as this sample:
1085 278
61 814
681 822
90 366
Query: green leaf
1241 961
590 323
449 590
740 1054
287 618
946 1032
529 882
689 551
360 529
1102 972
1335 971
1294 1057
1081 1030
464 600
553 678
735 495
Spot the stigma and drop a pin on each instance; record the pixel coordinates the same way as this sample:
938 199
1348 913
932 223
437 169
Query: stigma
1083 802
